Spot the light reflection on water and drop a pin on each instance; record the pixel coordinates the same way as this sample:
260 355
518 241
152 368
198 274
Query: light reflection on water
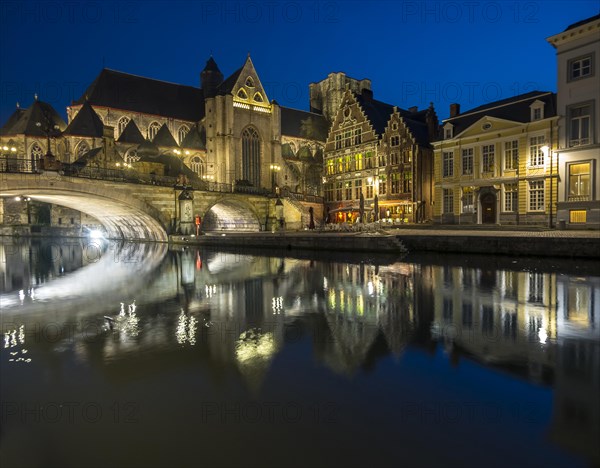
228 346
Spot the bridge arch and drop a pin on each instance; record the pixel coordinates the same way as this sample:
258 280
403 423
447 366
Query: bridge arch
228 214
123 215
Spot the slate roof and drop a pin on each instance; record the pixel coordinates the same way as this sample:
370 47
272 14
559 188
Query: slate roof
12 120
515 109
23 122
379 114
194 139
145 95
147 151
131 134
86 123
227 86
164 138
211 65
291 123
582 22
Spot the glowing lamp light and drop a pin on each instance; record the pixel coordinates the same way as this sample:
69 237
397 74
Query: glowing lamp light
545 149
96 234
5 148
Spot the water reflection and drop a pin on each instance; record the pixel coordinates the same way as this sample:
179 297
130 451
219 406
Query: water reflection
243 315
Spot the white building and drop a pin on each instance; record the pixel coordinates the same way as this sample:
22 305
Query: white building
578 103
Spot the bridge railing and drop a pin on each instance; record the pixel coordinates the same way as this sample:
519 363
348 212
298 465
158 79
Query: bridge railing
22 165
303 197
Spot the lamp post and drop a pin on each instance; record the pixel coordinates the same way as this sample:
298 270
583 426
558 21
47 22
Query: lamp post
274 168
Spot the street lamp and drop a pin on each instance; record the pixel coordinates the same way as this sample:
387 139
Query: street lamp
548 154
274 168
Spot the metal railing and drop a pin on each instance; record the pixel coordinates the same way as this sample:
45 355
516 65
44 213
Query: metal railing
27 166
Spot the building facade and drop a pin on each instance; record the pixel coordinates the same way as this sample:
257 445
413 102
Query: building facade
378 161
578 152
496 164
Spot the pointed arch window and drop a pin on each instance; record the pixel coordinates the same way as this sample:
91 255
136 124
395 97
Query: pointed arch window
153 129
182 133
131 156
242 94
122 123
35 155
197 166
250 82
251 156
258 97
82 148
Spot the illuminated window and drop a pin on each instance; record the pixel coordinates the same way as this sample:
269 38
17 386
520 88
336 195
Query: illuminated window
242 94
251 156
536 195
579 181
448 201
122 123
577 216
197 166
182 132
581 67
448 163
487 157
369 160
153 129
467 200
35 155
358 162
467 161
536 155
511 155
510 197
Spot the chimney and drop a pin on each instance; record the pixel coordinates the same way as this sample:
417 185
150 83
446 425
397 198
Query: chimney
413 109
454 109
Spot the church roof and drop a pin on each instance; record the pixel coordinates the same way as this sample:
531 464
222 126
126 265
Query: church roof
12 120
194 140
164 138
227 86
86 123
147 151
515 109
292 121
211 65
131 134
120 90
23 122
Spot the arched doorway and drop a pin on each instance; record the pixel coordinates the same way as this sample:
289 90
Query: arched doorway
488 208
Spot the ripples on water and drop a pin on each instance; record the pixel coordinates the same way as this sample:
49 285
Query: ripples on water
131 354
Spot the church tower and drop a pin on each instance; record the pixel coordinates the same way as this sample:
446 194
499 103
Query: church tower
210 78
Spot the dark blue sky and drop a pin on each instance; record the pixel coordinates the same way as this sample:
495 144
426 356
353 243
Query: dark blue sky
471 52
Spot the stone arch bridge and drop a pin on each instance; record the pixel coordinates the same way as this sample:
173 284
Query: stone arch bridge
148 212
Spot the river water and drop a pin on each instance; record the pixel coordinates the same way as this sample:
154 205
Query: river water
137 355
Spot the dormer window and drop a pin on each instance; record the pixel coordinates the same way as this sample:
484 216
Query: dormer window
250 82
448 131
242 94
537 111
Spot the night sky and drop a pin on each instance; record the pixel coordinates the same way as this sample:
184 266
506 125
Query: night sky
471 52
